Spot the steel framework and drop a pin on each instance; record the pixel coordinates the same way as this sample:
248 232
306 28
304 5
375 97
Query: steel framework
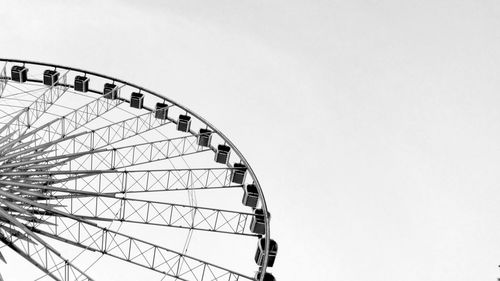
73 161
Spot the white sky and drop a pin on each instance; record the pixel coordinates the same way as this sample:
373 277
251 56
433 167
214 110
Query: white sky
373 126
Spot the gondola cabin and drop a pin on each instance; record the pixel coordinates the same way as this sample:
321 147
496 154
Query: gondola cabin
81 83
261 251
258 223
19 73
250 195
184 123
238 173
204 137
267 276
50 77
161 111
222 154
136 100
110 91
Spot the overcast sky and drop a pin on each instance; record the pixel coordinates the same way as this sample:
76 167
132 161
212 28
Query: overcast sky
373 126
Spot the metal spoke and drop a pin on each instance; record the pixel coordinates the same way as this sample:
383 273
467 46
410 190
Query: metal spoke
131 155
74 120
110 208
27 117
44 258
108 135
136 181
116 158
127 248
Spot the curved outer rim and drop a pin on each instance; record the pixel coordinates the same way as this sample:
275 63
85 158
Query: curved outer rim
207 123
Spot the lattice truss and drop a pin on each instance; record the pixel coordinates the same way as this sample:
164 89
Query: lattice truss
80 169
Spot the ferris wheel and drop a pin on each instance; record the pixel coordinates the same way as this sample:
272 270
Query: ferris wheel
101 179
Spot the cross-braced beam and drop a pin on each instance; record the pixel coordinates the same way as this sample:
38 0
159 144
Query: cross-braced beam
108 208
135 181
136 251
46 259
30 114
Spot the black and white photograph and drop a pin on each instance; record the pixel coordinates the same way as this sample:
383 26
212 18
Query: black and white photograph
249 140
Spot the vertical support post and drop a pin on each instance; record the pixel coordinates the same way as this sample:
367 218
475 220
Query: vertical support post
3 78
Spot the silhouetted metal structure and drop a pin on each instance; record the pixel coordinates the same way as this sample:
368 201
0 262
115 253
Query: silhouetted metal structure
68 167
